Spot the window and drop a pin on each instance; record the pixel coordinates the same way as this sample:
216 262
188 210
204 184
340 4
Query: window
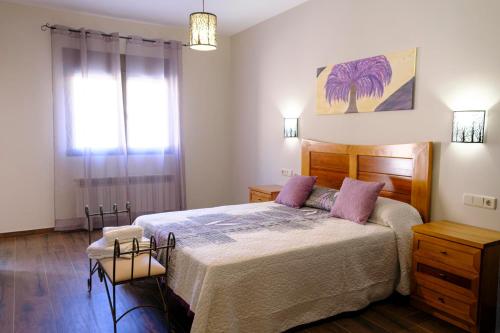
101 123
146 102
147 121
95 118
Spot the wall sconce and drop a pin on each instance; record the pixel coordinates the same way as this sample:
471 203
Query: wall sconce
291 127
468 126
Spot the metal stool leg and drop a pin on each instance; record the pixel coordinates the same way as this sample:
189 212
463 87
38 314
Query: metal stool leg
89 280
111 300
161 294
114 308
92 270
164 303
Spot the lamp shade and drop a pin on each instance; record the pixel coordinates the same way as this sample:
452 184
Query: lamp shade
468 126
291 127
202 31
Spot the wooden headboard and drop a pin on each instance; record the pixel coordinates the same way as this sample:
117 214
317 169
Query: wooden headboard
406 169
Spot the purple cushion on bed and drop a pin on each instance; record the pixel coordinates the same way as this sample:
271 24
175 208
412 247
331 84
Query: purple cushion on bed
296 191
356 200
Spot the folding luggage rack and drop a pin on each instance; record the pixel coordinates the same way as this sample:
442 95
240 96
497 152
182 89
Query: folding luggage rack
116 271
90 227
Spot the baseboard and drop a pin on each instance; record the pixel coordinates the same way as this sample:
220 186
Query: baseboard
26 232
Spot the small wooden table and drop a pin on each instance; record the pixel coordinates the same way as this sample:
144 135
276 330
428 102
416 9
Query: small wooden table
455 273
263 193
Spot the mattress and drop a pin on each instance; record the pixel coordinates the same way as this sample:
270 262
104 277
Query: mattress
265 267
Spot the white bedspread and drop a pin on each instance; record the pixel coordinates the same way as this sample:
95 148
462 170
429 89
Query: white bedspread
273 278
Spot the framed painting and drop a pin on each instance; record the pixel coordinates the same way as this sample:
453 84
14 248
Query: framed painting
380 83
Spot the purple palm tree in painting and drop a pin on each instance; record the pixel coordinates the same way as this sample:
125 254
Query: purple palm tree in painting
356 79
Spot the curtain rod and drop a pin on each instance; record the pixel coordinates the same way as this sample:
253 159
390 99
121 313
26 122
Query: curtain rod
47 26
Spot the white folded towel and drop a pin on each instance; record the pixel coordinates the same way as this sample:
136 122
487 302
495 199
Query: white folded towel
124 234
100 250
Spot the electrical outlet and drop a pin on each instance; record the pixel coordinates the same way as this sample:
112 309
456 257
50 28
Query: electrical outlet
490 202
480 201
287 172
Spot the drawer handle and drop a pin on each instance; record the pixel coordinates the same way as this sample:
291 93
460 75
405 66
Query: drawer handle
442 276
441 300
444 253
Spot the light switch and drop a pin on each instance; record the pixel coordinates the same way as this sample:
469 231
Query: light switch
468 199
477 201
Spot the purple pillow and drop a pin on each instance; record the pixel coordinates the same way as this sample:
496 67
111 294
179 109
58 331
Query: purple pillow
356 200
296 191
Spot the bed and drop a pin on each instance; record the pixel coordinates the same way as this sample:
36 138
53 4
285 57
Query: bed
265 267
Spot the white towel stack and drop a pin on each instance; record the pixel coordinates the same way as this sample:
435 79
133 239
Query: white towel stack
104 247
124 234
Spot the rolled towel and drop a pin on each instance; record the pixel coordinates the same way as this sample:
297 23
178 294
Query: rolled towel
100 250
123 234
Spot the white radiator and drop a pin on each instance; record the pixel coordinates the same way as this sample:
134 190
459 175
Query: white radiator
147 194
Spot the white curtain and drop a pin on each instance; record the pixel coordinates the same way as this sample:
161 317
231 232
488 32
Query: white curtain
116 125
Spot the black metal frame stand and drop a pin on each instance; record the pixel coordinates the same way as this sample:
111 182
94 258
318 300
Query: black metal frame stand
153 248
90 226
153 251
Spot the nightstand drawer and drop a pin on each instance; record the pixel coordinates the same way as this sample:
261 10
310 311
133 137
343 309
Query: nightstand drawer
465 311
259 197
453 254
445 277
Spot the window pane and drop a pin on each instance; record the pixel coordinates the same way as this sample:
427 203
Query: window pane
95 113
147 117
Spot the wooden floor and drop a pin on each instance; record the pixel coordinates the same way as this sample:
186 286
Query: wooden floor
43 289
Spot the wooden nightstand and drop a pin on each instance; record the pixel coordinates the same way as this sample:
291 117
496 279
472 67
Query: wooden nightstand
263 193
455 273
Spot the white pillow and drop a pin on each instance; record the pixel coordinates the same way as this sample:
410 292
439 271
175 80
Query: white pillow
388 212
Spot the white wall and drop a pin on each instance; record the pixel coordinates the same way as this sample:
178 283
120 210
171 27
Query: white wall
458 67
26 153
234 98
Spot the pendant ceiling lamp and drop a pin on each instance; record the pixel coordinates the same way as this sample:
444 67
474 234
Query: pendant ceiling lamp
202 30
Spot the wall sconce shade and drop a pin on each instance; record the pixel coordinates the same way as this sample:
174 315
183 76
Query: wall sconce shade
468 126
291 129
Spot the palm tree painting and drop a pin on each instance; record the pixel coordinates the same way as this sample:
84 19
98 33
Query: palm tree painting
356 79
380 83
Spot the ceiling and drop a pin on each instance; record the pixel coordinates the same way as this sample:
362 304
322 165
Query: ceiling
233 15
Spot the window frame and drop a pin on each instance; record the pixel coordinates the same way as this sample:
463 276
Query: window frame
71 151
